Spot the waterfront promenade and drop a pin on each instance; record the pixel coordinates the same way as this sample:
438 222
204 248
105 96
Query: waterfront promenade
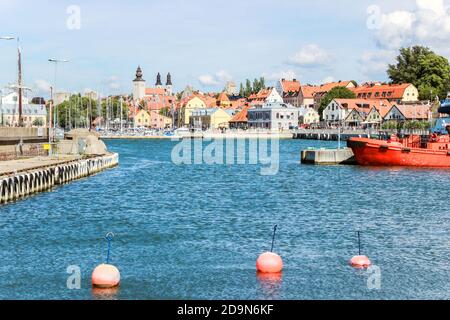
22 178
16 166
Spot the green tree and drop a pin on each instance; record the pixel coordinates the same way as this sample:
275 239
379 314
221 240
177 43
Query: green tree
248 88
429 72
262 82
335 93
256 85
241 90
38 122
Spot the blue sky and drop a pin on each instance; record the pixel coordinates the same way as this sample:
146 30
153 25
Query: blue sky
205 43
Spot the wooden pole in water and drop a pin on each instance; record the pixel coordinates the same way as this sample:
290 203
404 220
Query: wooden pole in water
273 238
359 242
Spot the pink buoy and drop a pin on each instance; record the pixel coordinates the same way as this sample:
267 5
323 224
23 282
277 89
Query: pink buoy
269 262
360 262
106 276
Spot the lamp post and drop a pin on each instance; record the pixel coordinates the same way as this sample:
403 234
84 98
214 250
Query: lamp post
53 105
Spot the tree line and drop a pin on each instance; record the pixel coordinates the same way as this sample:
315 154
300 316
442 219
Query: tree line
252 88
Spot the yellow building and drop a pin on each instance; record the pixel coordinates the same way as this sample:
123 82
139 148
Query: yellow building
308 115
215 118
223 101
221 118
143 119
191 104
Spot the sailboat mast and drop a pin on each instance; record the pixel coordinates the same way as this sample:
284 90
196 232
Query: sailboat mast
20 92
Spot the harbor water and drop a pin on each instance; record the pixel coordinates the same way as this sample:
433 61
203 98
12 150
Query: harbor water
195 231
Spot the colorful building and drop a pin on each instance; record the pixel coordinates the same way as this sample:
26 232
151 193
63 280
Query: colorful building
273 116
308 115
143 119
289 90
268 95
212 118
192 103
240 119
398 93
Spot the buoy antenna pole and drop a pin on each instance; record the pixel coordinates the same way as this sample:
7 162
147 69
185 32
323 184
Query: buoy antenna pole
359 242
273 238
109 237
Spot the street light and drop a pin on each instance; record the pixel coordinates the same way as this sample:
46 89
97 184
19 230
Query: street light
54 92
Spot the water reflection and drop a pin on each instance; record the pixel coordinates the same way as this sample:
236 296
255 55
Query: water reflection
105 293
270 285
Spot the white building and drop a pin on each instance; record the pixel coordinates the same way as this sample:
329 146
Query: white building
139 85
31 113
61 97
339 109
91 95
231 88
273 116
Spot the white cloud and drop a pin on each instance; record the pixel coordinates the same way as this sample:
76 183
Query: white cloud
427 24
220 78
207 80
275 76
223 76
42 86
309 56
374 63
113 82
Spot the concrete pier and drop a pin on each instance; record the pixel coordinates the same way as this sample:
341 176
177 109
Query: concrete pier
19 179
328 156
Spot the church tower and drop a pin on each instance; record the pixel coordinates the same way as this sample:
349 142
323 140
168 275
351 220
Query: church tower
138 85
169 85
158 81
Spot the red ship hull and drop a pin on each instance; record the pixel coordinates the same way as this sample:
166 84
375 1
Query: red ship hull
371 152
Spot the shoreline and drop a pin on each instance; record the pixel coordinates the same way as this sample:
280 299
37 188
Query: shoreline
286 136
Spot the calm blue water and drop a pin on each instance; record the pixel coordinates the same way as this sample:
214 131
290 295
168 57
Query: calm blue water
194 232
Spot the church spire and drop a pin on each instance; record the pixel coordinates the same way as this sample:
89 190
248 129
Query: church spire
139 74
158 80
169 79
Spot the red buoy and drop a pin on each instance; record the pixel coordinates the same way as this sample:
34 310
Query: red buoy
269 262
360 262
106 276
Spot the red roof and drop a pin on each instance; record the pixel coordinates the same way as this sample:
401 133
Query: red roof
386 91
290 86
223 97
155 91
241 116
415 111
308 91
364 105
